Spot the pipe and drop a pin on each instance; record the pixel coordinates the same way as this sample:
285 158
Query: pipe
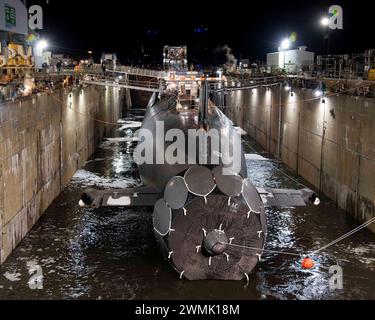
280 123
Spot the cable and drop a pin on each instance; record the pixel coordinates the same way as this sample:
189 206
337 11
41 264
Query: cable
306 100
82 114
264 250
277 169
354 231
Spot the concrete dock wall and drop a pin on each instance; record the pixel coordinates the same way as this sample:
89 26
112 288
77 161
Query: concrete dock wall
331 144
44 140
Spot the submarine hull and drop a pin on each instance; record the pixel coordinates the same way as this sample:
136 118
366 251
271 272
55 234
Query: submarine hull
207 224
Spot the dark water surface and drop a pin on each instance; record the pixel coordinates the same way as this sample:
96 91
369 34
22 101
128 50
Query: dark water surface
112 254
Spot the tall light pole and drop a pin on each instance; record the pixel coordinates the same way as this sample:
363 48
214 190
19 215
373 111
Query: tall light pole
325 23
285 45
40 47
91 58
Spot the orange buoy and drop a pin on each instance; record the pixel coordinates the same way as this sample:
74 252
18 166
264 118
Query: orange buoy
308 263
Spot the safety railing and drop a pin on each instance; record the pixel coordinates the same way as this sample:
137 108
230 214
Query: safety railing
140 72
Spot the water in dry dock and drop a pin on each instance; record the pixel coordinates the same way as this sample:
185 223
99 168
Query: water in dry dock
112 254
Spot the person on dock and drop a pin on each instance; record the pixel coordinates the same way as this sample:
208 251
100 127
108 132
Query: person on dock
59 67
104 67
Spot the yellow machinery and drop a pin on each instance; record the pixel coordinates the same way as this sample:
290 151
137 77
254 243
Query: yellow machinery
19 57
15 60
371 73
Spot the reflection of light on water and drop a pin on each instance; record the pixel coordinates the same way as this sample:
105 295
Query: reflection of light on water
84 237
119 164
130 125
282 237
87 178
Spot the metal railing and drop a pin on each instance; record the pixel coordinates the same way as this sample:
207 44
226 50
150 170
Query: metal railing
149 86
132 71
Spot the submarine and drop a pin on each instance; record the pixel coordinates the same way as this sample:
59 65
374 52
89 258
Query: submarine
209 219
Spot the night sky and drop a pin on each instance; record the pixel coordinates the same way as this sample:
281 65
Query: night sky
250 28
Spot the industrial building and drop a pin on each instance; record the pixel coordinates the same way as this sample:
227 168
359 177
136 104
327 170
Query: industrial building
336 66
292 61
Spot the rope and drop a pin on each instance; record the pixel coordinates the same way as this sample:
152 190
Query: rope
265 250
356 230
277 169
347 235
330 94
80 113
352 232
102 121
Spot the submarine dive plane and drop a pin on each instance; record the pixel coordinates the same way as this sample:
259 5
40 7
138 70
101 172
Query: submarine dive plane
209 219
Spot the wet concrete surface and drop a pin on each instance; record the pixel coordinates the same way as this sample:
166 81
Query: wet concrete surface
76 253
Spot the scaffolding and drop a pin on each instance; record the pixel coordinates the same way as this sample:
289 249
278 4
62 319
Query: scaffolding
175 58
345 66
